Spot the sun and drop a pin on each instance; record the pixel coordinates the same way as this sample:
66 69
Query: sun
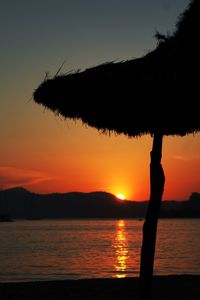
120 196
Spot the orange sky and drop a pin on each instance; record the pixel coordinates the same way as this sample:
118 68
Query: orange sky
55 155
45 154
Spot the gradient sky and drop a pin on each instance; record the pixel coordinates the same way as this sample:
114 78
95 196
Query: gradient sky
46 154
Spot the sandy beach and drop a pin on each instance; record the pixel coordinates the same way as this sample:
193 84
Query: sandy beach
164 287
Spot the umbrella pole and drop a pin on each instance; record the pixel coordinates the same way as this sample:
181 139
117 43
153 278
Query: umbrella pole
157 180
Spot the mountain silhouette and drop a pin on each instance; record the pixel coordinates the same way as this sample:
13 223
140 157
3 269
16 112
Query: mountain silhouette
21 203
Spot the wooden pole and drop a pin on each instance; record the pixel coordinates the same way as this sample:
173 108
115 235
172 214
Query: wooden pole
157 180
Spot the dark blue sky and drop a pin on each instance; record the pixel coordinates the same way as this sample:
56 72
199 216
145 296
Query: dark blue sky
82 32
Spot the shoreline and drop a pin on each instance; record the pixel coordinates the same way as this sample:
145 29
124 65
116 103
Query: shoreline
164 287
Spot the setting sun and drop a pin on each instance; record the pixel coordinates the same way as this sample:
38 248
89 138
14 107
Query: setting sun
120 196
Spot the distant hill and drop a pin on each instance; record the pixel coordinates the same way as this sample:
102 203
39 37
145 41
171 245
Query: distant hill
21 203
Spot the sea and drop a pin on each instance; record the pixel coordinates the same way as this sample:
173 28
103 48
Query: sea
37 250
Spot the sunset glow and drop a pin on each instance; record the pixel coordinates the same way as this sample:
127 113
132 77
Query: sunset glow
46 154
120 196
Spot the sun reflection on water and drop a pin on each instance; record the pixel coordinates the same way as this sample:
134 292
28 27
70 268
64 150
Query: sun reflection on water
121 250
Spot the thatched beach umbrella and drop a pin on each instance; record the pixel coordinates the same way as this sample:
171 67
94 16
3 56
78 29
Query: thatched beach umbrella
157 94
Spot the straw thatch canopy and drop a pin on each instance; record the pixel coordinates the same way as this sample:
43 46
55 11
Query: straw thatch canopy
156 93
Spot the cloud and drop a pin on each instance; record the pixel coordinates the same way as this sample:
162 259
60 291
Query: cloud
12 177
185 158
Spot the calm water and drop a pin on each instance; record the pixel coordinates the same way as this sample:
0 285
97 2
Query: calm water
74 249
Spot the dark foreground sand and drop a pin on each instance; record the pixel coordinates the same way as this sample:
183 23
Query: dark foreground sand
164 287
